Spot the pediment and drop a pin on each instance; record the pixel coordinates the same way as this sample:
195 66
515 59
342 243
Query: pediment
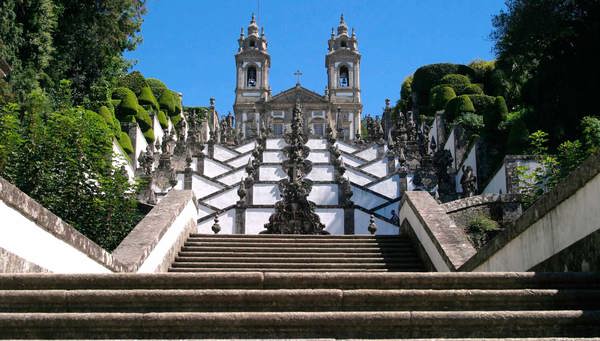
297 92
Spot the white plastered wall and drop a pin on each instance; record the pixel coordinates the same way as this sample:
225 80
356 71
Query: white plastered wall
389 187
361 224
213 168
223 154
226 221
321 173
368 154
271 173
224 199
471 160
377 168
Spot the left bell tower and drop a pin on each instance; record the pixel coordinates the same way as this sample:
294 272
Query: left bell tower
252 63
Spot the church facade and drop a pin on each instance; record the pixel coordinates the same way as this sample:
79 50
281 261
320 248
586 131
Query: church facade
339 107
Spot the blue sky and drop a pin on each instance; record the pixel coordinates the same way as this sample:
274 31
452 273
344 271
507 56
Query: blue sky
190 44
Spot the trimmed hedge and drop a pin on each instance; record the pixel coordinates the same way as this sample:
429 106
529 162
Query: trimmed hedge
163 120
457 106
149 135
128 107
472 89
156 86
167 103
146 97
482 103
429 75
134 81
458 82
143 119
125 142
175 120
178 105
440 95
110 120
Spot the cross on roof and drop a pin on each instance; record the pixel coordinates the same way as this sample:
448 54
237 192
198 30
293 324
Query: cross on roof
298 74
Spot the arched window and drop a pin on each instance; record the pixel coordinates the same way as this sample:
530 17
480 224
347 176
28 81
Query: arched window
252 43
344 79
251 77
344 43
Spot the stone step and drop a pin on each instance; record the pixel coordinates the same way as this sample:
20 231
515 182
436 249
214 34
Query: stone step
295 300
295 249
302 240
278 270
357 260
331 245
290 265
311 280
294 236
310 255
432 324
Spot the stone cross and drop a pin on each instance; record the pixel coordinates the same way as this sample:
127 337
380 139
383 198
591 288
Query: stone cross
298 74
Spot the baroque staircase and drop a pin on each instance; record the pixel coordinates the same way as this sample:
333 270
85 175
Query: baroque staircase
300 305
297 253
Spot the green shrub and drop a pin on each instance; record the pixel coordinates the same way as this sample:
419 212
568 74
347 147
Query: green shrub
134 81
110 120
472 89
518 137
167 103
482 103
125 143
163 120
482 69
128 107
114 103
178 106
146 97
481 229
590 134
458 82
495 114
405 101
472 123
440 95
143 119
149 135
429 75
457 106
156 86
175 120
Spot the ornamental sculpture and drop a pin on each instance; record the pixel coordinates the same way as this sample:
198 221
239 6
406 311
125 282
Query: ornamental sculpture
294 214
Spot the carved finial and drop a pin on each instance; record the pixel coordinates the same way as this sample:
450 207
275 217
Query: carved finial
253 20
216 227
372 226
332 32
342 19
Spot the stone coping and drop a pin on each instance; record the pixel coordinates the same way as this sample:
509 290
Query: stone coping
507 159
140 242
478 200
451 242
54 225
546 203
132 251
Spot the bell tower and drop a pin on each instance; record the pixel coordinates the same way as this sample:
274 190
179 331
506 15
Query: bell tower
252 63
343 80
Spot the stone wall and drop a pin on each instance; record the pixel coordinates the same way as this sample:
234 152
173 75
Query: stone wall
546 235
502 208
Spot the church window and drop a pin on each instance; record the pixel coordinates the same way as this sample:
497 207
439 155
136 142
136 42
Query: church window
252 43
278 129
344 79
251 77
318 129
344 43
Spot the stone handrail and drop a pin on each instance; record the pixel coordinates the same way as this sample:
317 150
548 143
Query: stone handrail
443 245
33 239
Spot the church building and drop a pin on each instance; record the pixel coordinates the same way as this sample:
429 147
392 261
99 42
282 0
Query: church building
340 106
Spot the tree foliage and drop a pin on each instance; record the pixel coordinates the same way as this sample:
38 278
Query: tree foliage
546 55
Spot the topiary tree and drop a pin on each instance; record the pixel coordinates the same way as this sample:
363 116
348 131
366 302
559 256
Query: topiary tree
168 103
458 105
146 97
110 120
162 119
134 81
127 107
406 95
149 135
458 82
440 95
176 119
156 86
472 89
143 119
125 142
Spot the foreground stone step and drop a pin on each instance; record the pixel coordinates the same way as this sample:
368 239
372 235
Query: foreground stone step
330 245
370 249
212 300
313 280
293 236
573 323
290 255
183 258
291 270
330 239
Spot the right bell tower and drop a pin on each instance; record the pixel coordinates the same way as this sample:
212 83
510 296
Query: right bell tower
343 80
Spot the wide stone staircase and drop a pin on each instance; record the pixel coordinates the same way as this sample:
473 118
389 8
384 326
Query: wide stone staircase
264 305
297 253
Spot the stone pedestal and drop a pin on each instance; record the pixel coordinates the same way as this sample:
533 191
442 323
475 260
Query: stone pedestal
200 164
240 219
348 220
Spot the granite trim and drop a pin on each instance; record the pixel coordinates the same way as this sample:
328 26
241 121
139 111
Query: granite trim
140 242
11 263
451 242
545 204
51 223
479 200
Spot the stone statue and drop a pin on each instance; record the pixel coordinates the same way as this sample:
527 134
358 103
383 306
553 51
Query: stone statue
468 181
